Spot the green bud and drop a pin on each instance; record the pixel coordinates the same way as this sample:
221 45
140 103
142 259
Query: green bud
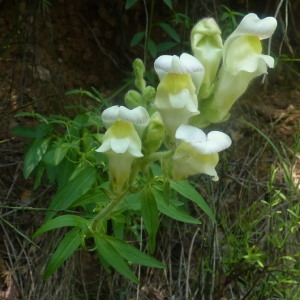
133 99
207 47
149 94
154 134
139 69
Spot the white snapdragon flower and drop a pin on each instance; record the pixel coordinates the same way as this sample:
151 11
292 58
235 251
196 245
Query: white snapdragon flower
242 62
121 142
197 152
176 97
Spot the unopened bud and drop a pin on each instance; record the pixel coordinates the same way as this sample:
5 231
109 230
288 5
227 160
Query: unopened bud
139 69
154 134
133 99
149 94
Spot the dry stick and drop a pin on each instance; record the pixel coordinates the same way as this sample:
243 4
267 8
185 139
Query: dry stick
13 183
187 289
146 32
270 39
139 267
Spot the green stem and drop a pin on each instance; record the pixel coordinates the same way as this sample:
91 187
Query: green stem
107 210
158 156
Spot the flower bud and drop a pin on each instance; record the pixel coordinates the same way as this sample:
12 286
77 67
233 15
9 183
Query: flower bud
207 47
154 134
139 69
149 94
133 99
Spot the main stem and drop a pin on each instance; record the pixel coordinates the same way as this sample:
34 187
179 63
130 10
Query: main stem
107 210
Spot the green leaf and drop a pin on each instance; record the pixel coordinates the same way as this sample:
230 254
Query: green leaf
94 196
85 92
25 132
65 249
38 176
66 168
108 253
170 31
134 255
130 3
34 154
61 221
169 3
54 156
188 191
171 210
150 216
137 38
131 202
152 48
161 47
74 189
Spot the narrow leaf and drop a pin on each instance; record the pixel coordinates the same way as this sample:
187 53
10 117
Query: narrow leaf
185 189
169 3
34 154
61 221
134 255
161 47
24 132
170 31
65 249
38 176
54 156
137 38
107 252
171 210
75 188
152 48
150 216
19 232
130 3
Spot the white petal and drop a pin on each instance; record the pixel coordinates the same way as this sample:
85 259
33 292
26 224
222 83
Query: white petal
141 116
110 115
179 100
162 65
120 145
216 142
190 134
136 116
184 64
252 25
191 63
105 146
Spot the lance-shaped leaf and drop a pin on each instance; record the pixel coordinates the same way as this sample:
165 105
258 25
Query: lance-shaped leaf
65 249
150 216
34 154
75 188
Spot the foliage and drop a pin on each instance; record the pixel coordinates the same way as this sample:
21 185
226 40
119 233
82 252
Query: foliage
63 150
145 38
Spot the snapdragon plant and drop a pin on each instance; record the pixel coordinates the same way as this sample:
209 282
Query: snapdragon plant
123 161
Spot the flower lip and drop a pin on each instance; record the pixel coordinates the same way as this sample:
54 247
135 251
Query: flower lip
121 138
214 142
251 24
186 63
137 116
